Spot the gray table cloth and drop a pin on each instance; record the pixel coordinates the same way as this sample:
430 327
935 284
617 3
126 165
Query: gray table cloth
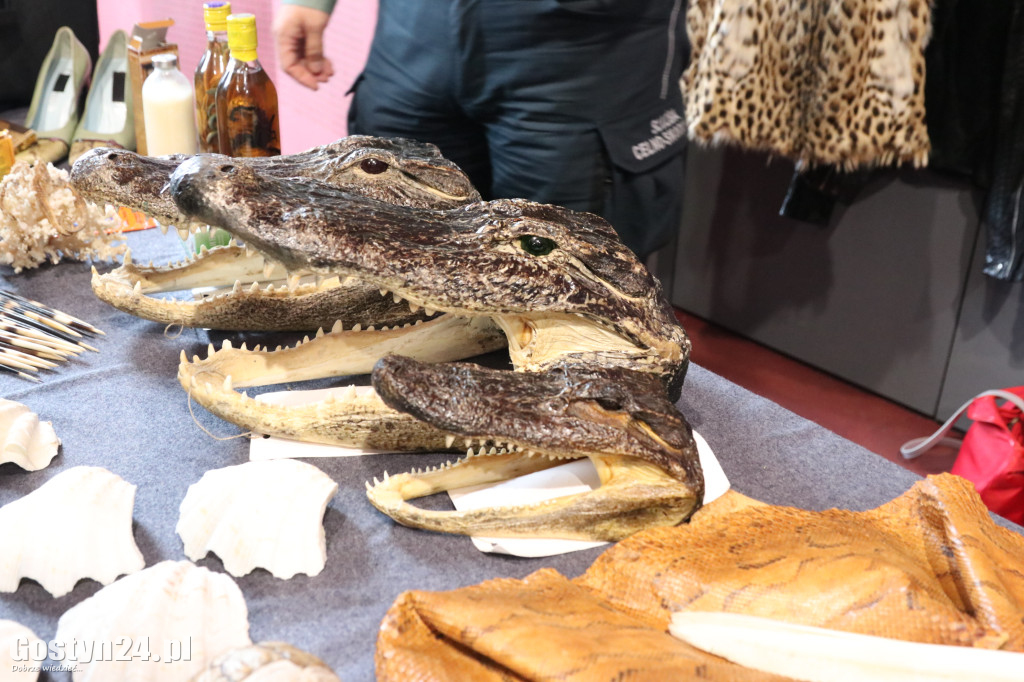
122 409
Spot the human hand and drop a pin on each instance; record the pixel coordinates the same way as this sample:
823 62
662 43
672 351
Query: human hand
298 37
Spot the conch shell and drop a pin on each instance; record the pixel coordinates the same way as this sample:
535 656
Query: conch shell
12 638
267 662
76 525
259 514
26 441
178 617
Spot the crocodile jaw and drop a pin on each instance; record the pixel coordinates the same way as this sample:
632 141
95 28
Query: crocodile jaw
633 495
258 294
212 382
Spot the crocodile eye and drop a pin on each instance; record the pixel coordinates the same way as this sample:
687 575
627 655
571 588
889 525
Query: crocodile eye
610 404
373 166
536 246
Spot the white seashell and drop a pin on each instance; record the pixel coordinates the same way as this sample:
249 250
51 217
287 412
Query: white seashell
174 618
267 514
19 647
28 442
267 662
76 525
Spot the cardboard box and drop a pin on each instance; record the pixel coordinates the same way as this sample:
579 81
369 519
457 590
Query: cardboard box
148 40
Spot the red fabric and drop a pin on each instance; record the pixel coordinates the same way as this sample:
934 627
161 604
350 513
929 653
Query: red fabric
992 455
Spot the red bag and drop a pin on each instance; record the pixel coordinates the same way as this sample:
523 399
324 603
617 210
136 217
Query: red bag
992 451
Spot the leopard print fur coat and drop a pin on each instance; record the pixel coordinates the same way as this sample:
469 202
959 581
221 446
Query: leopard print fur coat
818 81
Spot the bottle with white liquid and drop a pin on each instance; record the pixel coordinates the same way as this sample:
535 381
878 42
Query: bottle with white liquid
167 109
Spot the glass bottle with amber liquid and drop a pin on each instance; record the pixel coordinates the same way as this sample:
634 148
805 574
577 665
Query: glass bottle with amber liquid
208 73
247 120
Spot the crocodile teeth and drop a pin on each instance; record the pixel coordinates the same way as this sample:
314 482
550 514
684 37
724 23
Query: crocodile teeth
338 326
210 350
243 346
237 287
250 252
468 442
414 307
163 228
254 288
137 289
383 292
398 299
447 441
226 345
357 327
429 311
127 257
183 358
293 283
270 288
268 268
469 452
227 383
183 233
319 332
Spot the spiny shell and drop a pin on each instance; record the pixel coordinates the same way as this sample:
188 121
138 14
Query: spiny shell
13 655
267 514
267 662
173 601
28 442
76 525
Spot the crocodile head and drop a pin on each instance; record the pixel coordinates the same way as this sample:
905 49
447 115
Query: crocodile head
399 171
639 443
558 283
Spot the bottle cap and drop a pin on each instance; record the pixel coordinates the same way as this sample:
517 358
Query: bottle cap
215 14
242 36
165 61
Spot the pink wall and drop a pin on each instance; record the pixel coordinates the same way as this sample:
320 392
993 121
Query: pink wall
308 118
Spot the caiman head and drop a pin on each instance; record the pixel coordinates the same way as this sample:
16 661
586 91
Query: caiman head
399 171
640 444
558 283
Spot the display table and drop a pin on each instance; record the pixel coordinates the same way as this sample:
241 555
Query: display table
122 409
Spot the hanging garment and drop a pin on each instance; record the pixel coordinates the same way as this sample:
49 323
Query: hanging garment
816 81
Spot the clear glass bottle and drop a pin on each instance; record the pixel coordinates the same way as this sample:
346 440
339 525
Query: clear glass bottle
208 73
247 121
167 109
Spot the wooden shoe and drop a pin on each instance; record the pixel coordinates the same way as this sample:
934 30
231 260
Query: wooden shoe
53 113
108 118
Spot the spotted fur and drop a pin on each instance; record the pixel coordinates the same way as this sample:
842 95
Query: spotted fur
818 81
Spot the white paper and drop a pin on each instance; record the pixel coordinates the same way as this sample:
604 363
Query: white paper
577 476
